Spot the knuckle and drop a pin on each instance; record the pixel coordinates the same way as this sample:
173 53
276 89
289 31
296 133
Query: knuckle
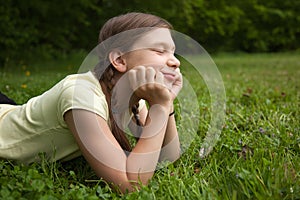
150 69
139 67
131 73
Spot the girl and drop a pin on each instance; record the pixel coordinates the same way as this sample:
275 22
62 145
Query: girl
87 113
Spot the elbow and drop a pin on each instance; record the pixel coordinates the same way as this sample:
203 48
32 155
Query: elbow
132 184
127 187
170 155
129 182
175 157
137 180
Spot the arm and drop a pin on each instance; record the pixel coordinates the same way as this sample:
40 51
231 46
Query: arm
171 146
105 155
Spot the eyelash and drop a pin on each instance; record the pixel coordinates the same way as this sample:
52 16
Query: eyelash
159 50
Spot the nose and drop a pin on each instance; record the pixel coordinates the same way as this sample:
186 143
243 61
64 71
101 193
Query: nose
173 61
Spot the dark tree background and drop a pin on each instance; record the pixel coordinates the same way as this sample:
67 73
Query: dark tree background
52 27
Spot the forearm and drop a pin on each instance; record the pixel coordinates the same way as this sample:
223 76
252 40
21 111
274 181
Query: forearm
171 145
142 161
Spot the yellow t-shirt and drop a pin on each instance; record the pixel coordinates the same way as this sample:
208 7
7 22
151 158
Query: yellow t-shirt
39 126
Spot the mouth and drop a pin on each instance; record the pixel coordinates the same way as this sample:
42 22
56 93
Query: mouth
169 76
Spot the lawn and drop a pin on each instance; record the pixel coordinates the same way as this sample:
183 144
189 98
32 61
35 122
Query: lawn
256 157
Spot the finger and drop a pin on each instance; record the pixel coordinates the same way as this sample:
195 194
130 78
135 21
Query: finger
178 78
150 74
140 75
177 73
132 79
159 78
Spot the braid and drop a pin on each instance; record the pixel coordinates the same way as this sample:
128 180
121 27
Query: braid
113 27
135 111
108 78
119 134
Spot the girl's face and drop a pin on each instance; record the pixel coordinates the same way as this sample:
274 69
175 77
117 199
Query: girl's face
155 49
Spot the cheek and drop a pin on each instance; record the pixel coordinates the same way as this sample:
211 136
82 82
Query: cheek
146 58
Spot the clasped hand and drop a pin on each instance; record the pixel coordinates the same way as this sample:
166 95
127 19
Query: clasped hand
145 83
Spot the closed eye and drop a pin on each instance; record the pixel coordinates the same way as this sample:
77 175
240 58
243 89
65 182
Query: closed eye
158 50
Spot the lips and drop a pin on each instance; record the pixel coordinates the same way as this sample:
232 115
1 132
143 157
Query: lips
169 76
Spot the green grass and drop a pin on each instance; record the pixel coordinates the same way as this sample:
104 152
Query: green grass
257 156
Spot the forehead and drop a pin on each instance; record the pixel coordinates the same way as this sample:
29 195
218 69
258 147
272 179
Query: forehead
154 38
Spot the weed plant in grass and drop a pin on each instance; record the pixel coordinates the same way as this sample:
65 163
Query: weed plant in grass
257 156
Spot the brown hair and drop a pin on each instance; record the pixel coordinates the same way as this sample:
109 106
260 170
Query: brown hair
111 28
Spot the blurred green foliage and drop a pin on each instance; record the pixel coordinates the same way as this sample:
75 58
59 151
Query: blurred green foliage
52 27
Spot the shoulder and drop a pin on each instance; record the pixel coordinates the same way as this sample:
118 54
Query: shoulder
82 91
81 85
81 79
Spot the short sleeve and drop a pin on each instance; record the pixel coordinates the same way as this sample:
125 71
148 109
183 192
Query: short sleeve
83 95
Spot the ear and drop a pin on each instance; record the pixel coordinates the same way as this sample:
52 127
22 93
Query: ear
116 59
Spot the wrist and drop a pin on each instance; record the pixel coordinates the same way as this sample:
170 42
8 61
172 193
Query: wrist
167 104
171 108
167 109
172 113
